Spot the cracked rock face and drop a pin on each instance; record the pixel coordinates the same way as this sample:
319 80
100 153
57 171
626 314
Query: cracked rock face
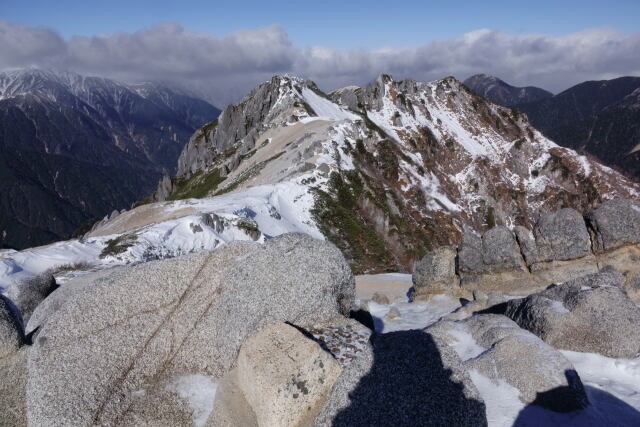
123 334
560 235
496 251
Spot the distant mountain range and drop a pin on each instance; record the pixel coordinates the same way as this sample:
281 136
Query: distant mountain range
503 93
75 147
601 118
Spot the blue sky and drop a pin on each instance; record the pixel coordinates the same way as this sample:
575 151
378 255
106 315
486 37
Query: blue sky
222 49
331 23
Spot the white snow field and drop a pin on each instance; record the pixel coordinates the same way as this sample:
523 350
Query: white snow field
612 385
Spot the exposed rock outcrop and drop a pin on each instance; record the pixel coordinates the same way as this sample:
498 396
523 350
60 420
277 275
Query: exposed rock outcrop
30 293
11 332
588 314
136 335
284 376
493 347
558 249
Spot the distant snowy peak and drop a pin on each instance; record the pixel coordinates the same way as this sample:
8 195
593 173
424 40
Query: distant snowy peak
503 93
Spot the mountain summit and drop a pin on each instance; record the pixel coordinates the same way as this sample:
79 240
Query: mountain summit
384 171
503 93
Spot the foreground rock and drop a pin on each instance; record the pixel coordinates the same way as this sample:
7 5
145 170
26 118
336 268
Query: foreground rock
30 293
493 348
589 314
284 377
13 366
109 353
13 383
11 335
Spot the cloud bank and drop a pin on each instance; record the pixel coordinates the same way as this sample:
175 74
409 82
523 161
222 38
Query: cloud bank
224 69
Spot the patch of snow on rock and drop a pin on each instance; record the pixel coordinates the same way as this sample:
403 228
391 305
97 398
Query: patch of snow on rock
199 391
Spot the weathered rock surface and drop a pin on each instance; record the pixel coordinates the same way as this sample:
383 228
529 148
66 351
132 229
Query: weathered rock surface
285 376
141 326
559 236
28 294
496 251
405 383
11 334
436 272
57 299
615 223
13 382
589 314
558 249
495 347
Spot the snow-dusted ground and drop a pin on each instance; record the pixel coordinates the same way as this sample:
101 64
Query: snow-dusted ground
612 385
275 209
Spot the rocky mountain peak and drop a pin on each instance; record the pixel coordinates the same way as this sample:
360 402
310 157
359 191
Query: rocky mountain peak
420 159
503 93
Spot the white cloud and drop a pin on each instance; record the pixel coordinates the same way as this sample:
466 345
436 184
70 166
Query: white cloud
224 69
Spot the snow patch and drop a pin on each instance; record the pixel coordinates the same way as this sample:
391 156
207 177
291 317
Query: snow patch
620 377
465 345
326 109
199 391
501 399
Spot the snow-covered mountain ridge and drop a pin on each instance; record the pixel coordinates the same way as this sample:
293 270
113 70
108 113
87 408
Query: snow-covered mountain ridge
386 172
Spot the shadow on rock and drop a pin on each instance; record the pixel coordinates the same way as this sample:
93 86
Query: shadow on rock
409 384
605 410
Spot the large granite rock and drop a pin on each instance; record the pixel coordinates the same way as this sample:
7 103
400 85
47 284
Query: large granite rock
494 347
13 366
136 328
28 294
11 334
588 314
496 251
560 235
436 272
615 223
13 383
285 376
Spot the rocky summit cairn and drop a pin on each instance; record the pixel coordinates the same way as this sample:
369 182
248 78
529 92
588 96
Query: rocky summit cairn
562 246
